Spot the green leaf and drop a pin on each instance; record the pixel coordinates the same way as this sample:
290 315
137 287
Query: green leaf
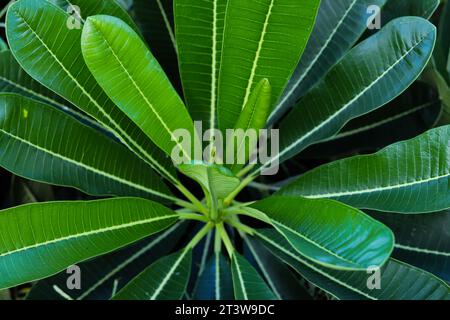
166 279
91 8
15 80
213 178
215 281
3 45
349 240
41 143
421 240
283 282
442 52
49 57
263 39
387 63
199 33
338 26
412 113
398 281
155 19
252 119
398 8
411 176
103 276
42 239
134 80
248 284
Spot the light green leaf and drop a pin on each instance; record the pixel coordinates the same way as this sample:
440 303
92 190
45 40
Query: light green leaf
248 284
215 282
387 64
199 33
134 80
166 279
212 178
263 39
252 119
338 26
41 143
409 177
49 57
398 281
328 232
39 240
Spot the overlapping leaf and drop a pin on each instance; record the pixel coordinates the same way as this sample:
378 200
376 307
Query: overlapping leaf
412 113
248 284
398 281
215 180
338 26
399 8
103 276
134 80
166 279
262 39
155 20
14 79
421 240
328 232
215 282
283 282
82 9
39 240
410 176
41 143
387 64
49 57
199 33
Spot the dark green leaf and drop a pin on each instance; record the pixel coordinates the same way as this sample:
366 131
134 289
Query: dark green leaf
398 281
248 284
166 279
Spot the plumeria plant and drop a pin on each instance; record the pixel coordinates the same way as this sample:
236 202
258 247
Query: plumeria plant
185 125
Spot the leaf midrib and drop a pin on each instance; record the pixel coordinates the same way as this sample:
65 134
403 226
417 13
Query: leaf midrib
258 54
88 167
320 246
141 93
88 233
168 275
127 262
241 280
378 189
